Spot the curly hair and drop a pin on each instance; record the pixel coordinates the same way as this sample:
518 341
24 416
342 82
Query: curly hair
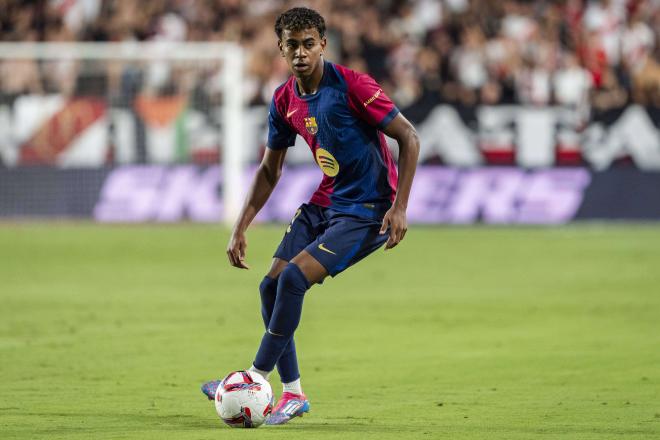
298 19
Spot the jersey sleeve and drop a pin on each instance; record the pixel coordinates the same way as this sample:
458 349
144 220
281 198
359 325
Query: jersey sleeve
280 134
368 100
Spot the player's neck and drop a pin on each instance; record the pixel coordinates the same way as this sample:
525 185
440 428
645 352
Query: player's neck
310 84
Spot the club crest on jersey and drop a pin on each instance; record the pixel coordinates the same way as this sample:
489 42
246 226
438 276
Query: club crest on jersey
310 125
327 162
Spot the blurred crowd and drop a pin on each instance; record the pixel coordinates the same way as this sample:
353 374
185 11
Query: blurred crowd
600 54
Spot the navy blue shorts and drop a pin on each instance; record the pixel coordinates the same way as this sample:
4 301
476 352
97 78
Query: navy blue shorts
337 240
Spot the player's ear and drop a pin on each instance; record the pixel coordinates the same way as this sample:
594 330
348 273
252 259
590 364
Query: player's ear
323 43
280 46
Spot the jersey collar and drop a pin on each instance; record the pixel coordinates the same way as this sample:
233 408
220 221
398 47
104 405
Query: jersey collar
324 79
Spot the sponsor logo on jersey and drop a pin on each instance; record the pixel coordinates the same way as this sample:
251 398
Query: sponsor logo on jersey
311 126
327 162
373 98
290 113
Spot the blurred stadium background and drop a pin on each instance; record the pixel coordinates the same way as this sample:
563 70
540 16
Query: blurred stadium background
528 111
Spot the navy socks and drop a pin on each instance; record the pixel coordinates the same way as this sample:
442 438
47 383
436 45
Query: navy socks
268 291
287 365
281 314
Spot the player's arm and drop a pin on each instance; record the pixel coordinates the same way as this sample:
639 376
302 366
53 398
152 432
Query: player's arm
405 134
264 182
368 101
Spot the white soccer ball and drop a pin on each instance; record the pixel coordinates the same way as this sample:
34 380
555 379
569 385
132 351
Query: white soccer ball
244 399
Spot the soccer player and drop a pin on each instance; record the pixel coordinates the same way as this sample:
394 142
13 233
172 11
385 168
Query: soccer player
359 205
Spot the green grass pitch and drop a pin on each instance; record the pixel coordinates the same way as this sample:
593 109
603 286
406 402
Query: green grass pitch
459 333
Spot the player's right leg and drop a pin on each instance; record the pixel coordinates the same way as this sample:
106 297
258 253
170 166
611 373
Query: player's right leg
305 225
345 241
277 345
287 365
288 360
295 280
293 283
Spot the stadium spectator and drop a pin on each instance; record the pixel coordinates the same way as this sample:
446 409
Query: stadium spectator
571 82
455 51
610 96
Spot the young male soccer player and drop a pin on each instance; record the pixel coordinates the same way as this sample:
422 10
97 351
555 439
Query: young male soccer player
360 203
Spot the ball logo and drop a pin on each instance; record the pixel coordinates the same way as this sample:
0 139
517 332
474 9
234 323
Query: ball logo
327 162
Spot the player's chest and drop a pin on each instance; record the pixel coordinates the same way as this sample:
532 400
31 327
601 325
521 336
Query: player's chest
324 116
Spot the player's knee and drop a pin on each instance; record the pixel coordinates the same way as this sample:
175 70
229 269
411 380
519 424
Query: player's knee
268 288
292 280
268 292
291 288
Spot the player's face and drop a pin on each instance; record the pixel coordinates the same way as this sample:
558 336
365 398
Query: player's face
302 50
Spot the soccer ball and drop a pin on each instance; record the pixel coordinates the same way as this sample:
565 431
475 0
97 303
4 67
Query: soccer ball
244 399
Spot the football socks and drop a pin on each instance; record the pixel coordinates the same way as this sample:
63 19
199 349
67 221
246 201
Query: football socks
254 369
291 288
287 365
292 387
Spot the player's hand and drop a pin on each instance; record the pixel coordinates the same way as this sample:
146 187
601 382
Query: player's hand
395 220
236 250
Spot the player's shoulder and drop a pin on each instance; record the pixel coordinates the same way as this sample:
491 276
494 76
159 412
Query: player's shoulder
282 96
344 78
344 71
334 76
351 78
284 91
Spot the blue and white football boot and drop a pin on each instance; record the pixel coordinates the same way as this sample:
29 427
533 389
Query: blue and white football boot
209 388
289 406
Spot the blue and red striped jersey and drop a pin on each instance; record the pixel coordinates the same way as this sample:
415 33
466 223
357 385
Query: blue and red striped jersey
341 123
